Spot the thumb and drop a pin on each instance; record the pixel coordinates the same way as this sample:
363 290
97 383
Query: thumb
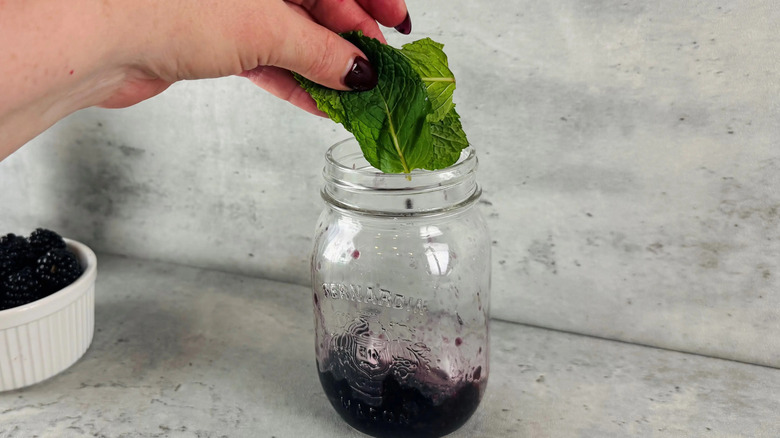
322 56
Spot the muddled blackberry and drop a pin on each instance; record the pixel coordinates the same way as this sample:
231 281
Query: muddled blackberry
43 241
402 410
57 269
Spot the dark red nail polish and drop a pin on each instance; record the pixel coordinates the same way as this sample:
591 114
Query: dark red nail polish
406 26
361 76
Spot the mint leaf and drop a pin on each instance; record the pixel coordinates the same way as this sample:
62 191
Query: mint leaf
448 140
327 100
408 121
390 118
428 59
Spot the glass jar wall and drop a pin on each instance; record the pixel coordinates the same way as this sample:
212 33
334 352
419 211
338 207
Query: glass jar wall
401 284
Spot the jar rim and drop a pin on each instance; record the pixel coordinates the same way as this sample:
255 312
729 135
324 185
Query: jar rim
336 170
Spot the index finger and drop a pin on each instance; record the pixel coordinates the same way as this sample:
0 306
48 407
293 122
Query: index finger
390 13
345 15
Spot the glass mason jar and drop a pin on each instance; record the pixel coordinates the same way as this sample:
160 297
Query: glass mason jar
401 284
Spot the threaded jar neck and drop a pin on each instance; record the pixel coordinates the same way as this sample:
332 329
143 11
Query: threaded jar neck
353 184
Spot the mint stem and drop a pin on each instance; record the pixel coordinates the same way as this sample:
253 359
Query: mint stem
394 135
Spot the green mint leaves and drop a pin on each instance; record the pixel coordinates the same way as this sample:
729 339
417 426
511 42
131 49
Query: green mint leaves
408 121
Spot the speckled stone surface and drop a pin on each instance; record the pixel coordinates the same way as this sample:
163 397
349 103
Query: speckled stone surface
185 352
630 160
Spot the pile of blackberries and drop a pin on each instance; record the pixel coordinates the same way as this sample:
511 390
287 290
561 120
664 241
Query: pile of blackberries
34 267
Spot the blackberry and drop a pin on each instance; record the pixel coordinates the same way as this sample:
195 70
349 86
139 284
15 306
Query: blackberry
56 269
43 241
8 265
14 254
13 243
20 288
8 240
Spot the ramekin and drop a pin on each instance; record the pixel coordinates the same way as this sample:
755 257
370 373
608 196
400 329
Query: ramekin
45 337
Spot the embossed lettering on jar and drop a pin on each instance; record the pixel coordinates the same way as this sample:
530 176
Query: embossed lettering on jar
401 283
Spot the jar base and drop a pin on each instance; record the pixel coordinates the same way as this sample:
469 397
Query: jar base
405 411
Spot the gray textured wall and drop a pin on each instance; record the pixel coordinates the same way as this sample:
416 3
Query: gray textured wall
629 152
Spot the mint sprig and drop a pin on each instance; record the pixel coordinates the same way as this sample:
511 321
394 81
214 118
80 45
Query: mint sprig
408 121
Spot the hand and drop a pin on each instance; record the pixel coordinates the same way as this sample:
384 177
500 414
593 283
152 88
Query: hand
58 57
263 41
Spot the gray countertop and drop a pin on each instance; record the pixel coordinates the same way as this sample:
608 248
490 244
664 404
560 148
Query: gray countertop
185 352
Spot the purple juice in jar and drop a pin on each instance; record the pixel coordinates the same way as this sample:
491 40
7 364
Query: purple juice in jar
386 387
404 410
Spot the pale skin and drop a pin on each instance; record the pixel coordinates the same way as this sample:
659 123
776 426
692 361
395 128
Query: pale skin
60 56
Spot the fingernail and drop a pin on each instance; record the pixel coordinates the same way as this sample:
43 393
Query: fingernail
406 26
361 76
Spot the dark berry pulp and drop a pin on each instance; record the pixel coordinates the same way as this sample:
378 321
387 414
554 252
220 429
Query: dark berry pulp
404 411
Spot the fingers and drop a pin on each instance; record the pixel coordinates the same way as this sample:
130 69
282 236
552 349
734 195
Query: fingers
315 51
321 55
280 83
299 9
390 13
342 16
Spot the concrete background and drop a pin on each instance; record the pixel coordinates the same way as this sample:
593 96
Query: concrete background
630 161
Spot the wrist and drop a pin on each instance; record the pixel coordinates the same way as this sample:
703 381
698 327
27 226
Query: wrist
56 57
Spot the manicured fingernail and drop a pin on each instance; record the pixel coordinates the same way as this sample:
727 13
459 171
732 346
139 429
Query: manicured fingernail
361 76
406 26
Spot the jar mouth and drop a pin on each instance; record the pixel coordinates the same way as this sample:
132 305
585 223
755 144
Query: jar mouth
351 183
345 163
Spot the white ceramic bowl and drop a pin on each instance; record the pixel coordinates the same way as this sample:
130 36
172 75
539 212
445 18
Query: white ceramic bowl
43 338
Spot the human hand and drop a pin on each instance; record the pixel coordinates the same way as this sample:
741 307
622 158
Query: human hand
58 57
261 40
